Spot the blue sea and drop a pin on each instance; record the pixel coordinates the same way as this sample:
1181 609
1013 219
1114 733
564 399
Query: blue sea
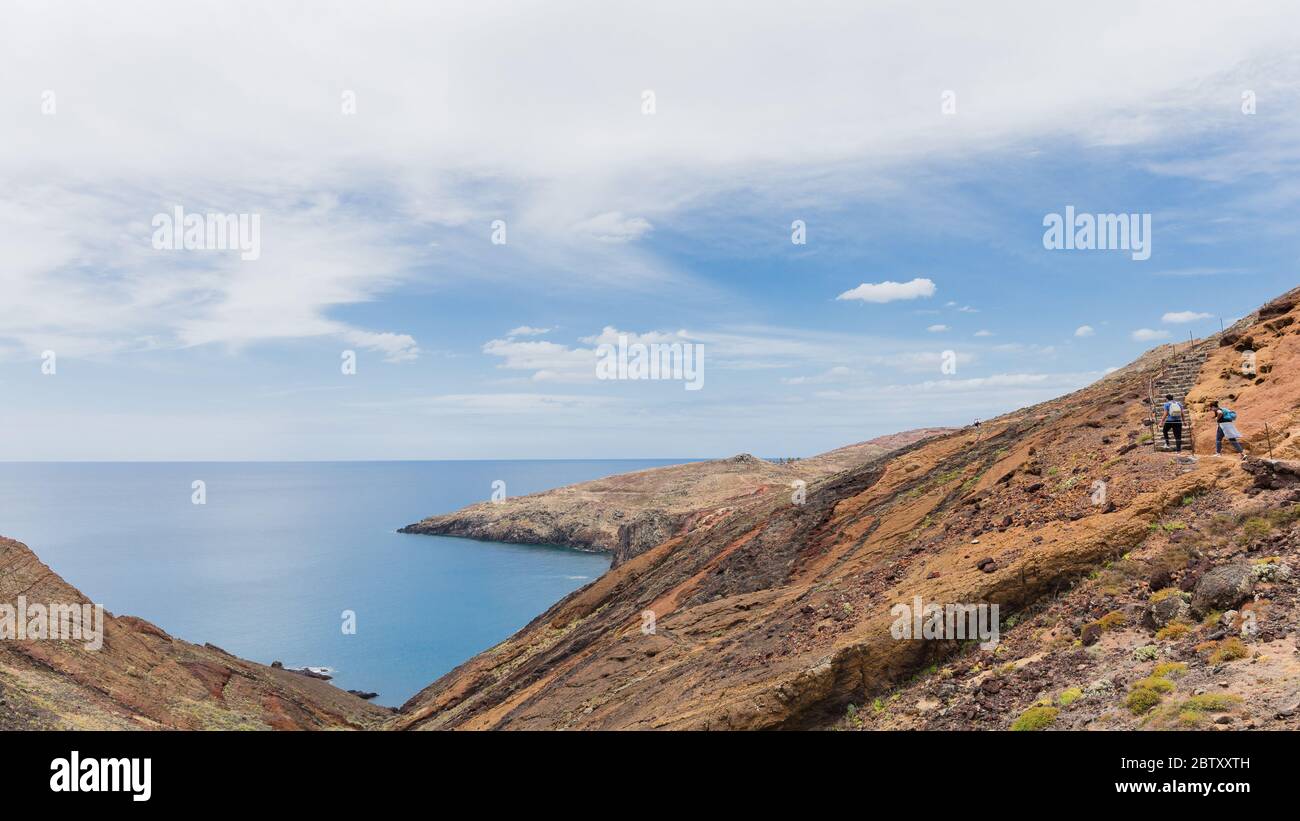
266 567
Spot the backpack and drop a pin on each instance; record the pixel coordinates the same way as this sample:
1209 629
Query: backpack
1228 415
1174 410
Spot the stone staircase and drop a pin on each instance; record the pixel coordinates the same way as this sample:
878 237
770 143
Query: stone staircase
1177 377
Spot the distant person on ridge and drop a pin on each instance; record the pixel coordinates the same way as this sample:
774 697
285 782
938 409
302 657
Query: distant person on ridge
1173 421
1225 417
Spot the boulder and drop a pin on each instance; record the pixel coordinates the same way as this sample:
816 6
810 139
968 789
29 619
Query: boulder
1223 588
1165 610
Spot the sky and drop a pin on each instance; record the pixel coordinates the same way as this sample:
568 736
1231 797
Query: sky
842 205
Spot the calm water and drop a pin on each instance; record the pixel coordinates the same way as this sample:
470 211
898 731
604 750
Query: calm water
265 568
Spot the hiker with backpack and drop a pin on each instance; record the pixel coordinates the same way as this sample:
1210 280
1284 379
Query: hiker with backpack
1225 417
1173 421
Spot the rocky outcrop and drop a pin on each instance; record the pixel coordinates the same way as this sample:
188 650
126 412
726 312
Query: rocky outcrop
629 513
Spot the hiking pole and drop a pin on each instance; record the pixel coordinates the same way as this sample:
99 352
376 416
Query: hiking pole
1269 437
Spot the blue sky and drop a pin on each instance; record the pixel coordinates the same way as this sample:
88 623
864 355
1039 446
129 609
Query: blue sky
669 226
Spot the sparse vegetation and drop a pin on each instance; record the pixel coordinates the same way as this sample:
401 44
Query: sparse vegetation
1112 621
1158 683
1141 701
1173 630
1147 652
1211 703
1170 669
1036 718
1230 649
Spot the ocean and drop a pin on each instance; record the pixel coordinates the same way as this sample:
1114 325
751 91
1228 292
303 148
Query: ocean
267 565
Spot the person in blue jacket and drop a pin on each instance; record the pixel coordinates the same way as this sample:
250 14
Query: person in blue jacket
1173 421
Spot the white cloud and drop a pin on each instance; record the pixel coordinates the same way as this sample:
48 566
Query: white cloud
527 330
983 333
966 309
1176 317
547 361
85 280
890 291
937 329
1149 335
1084 330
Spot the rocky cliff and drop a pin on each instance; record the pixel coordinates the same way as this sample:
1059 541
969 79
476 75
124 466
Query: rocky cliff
775 614
631 512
